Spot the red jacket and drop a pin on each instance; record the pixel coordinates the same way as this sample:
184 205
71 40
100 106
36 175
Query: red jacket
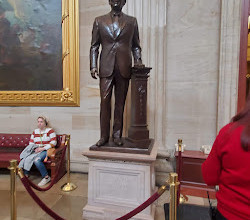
228 166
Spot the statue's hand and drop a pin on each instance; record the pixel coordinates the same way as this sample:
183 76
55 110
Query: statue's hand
94 73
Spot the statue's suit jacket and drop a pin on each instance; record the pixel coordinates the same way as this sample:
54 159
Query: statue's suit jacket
117 46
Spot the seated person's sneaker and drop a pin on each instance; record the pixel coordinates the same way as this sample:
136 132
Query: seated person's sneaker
44 181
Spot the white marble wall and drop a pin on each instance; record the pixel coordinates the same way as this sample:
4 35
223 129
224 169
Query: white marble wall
180 40
152 20
193 30
229 60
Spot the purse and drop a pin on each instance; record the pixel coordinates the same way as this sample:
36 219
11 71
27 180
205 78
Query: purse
212 210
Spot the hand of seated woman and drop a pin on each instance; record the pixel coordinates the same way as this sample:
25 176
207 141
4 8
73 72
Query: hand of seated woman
39 149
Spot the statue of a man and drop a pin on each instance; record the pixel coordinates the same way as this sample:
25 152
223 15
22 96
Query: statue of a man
118 35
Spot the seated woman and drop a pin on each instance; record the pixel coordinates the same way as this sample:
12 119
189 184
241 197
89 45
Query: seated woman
41 145
228 165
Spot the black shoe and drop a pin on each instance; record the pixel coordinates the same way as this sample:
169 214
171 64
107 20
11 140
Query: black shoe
118 141
102 142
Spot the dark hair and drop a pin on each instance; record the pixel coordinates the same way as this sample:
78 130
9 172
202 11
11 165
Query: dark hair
243 118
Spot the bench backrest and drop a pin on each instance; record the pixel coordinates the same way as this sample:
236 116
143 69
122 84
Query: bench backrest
19 141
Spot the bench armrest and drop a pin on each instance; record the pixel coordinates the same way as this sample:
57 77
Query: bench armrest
58 151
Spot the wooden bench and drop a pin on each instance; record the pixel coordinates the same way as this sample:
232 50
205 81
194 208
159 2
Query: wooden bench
11 145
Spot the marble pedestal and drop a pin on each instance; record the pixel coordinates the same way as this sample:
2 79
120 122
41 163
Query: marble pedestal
118 183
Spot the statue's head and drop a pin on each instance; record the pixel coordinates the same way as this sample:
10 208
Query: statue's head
117 5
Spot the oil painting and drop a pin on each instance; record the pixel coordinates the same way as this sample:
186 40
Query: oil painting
30 45
39 52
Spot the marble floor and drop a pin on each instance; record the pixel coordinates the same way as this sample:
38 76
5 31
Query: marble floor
69 205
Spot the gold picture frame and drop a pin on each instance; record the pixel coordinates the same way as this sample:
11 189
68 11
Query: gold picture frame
70 95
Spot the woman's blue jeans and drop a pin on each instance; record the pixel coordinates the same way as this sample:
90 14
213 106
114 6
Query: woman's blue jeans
39 164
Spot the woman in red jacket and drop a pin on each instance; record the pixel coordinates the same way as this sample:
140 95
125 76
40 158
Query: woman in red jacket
228 165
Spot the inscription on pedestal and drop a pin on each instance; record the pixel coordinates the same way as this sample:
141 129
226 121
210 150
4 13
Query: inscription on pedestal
142 92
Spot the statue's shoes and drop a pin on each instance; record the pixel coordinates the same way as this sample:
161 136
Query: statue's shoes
118 141
102 142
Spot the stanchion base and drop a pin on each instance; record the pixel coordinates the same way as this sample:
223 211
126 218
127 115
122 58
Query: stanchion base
67 187
183 199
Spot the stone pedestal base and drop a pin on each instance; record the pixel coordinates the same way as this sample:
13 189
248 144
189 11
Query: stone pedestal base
129 146
118 183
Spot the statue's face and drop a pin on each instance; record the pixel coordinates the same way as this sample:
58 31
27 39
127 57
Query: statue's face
117 5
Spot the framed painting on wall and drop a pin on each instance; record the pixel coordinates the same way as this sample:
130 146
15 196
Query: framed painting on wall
39 53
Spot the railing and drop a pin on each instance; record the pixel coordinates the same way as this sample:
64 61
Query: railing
28 184
173 184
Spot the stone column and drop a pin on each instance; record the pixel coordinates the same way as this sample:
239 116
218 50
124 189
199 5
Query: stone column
229 61
152 20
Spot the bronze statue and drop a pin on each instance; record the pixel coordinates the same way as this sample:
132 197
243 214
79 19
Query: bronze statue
118 35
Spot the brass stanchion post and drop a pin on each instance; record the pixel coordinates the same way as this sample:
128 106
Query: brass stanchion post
13 170
173 183
181 198
68 186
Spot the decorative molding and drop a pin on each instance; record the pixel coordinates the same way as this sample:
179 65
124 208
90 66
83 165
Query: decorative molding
229 61
37 98
67 96
28 97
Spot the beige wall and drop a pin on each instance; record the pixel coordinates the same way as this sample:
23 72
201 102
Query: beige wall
181 41
183 84
193 31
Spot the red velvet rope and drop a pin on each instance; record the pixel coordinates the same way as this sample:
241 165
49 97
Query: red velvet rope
33 185
141 207
39 201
